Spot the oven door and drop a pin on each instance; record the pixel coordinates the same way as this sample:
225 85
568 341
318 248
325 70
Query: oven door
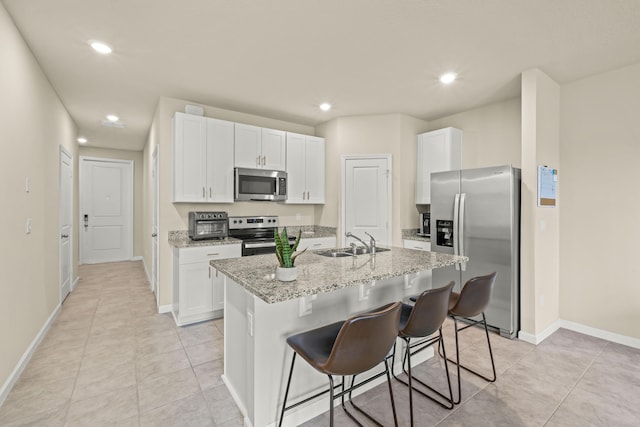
258 247
261 247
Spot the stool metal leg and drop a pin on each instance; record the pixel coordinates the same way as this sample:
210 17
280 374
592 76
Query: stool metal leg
286 393
457 361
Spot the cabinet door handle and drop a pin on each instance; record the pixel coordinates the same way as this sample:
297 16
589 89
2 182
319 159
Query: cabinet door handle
317 244
216 254
204 194
264 160
303 195
209 192
308 197
258 161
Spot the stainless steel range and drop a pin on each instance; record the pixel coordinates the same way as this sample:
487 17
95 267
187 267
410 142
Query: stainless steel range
256 232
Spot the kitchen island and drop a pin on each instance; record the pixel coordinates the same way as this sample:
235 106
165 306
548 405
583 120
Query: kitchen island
261 312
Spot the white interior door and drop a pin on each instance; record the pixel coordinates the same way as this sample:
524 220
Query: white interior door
66 222
154 223
366 199
106 211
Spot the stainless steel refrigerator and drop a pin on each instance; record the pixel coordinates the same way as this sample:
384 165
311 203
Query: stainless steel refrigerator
476 213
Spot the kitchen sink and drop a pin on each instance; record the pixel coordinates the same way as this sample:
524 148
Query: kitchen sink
344 252
334 253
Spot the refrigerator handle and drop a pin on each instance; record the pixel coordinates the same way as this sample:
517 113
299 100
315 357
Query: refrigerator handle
456 212
463 196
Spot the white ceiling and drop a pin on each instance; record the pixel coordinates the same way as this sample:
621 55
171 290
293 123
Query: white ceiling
281 58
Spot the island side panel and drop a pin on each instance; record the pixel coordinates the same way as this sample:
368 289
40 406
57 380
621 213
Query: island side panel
238 347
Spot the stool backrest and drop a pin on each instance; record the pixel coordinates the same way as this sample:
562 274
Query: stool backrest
475 296
428 313
364 341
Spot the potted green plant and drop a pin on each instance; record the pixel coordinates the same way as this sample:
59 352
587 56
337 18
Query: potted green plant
286 271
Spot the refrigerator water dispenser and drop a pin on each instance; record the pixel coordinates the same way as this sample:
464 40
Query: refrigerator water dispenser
444 232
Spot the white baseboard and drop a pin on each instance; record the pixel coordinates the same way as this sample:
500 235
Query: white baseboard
75 283
538 338
146 273
22 363
599 333
164 308
137 258
583 329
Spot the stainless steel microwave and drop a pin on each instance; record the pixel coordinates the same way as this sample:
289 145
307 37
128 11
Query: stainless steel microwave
260 184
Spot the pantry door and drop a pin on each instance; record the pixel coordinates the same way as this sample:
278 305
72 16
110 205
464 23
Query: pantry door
366 198
106 210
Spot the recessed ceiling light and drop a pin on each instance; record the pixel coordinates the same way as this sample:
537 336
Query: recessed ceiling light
112 118
325 106
448 78
82 140
100 47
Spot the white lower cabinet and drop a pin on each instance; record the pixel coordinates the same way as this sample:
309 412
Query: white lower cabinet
198 289
419 245
314 243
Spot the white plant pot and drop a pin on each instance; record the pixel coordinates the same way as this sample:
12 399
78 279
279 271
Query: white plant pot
286 274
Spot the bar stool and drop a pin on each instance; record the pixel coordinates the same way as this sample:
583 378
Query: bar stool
347 348
471 302
423 320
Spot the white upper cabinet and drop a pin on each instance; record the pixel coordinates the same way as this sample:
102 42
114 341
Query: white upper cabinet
437 151
220 139
189 158
257 147
203 159
305 169
273 149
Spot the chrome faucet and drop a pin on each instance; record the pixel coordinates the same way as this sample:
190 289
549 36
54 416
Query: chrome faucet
372 243
349 234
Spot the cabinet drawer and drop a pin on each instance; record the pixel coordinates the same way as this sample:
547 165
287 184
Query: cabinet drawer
417 244
207 253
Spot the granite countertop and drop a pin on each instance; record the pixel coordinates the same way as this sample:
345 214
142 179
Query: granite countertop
412 234
180 238
318 274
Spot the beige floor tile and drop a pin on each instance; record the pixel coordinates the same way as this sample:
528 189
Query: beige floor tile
221 404
28 399
202 353
168 388
199 333
55 418
156 344
103 379
592 408
105 408
209 374
154 365
191 411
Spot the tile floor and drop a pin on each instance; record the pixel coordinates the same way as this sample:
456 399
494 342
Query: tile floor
109 359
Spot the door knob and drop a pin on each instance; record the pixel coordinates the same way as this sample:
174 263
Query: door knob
154 235
64 236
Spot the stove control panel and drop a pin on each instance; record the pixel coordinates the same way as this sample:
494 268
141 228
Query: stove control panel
238 222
